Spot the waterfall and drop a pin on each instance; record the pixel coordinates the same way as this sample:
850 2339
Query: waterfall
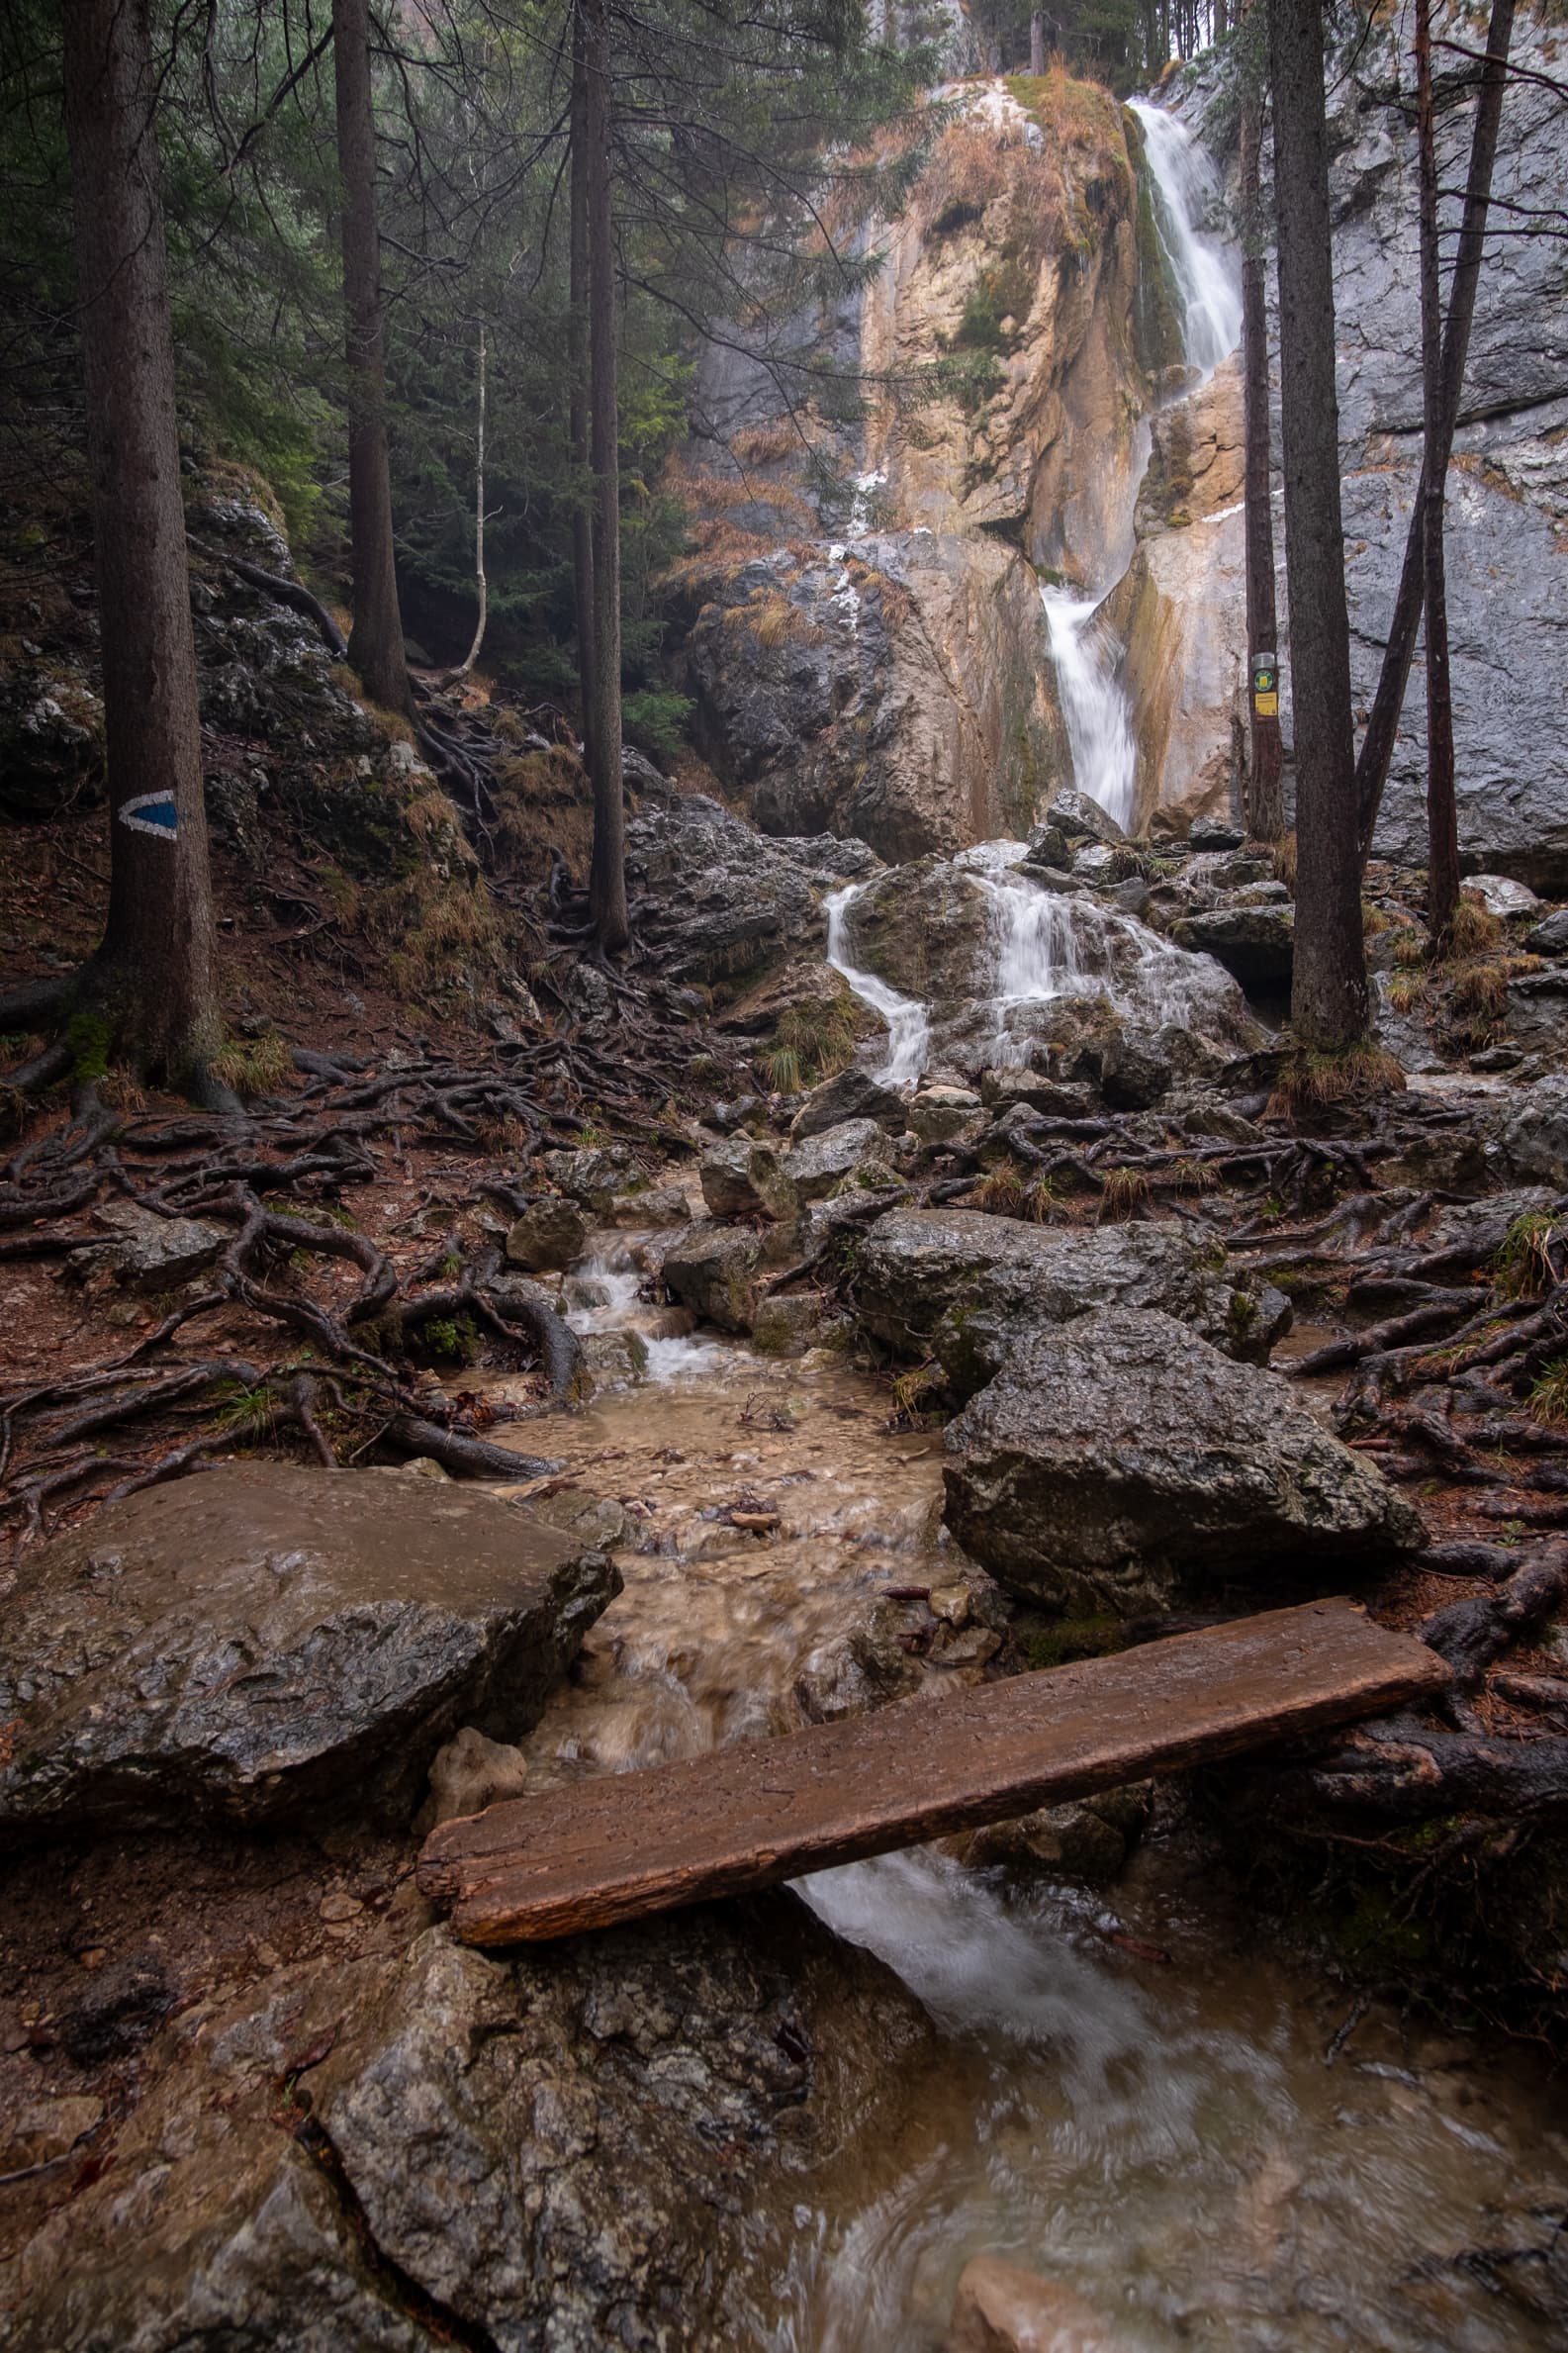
1094 702
1186 188
908 1023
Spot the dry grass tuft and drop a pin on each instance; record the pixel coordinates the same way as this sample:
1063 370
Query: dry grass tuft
1124 1192
1314 1078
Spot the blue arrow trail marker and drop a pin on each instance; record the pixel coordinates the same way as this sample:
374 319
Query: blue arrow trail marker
155 813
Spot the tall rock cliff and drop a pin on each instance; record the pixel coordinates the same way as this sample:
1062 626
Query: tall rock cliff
867 648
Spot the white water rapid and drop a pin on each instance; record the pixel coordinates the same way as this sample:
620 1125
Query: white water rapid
908 1023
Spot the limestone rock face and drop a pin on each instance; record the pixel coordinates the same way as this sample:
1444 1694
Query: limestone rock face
890 673
716 901
1113 1460
597 2125
971 1286
257 1638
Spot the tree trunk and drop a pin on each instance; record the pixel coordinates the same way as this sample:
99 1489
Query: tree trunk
472 655
577 361
1037 44
607 886
1266 793
374 644
1377 745
1442 817
1328 990
152 977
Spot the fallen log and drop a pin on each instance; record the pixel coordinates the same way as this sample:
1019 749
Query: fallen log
615 1847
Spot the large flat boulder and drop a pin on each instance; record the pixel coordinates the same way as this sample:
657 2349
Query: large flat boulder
259 1639
965 1286
1118 1457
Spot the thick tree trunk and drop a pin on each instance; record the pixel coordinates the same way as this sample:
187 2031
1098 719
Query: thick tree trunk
577 360
374 644
606 884
152 977
1037 42
1265 795
1377 745
1328 990
1442 817
472 655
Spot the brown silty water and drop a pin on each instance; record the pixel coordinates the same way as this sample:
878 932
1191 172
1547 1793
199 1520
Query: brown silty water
1181 2131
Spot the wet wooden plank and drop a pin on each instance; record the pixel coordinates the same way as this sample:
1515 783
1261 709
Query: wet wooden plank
612 1848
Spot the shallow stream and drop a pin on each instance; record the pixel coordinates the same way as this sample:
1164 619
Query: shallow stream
1216 2149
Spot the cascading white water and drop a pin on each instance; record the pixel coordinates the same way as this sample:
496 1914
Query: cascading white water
1094 700
1186 189
908 1023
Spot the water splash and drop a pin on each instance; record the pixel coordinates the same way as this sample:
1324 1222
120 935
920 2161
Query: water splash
908 1023
604 1293
1187 191
1053 944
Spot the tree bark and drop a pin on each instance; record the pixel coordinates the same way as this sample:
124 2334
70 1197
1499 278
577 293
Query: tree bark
1328 989
472 655
1266 793
1442 816
1377 745
375 643
606 884
578 395
1037 42
152 977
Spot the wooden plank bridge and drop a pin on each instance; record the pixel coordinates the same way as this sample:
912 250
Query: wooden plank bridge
609 1849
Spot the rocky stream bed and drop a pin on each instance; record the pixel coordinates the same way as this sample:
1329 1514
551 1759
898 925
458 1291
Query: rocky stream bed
866 1393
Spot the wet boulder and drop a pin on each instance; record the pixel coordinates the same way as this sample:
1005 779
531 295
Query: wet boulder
570 2148
1530 1142
852 1095
1135 1071
1551 937
713 1270
1120 1458
259 1639
1256 945
745 1178
148 1253
925 930
1004 1090
1078 817
1000 2308
596 1176
967 1286
548 1235
819 1164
